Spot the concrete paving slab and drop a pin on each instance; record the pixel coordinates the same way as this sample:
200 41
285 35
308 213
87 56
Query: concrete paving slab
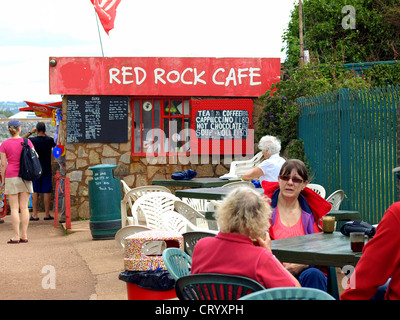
59 266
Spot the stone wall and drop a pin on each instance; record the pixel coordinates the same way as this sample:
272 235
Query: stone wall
135 171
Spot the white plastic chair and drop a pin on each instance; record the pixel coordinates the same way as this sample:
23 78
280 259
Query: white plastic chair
126 232
335 199
198 204
152 206
239 168
194 216
132 195
318 189
238 184
173 221
125 187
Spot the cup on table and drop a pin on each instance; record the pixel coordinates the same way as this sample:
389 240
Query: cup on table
357 241
328 224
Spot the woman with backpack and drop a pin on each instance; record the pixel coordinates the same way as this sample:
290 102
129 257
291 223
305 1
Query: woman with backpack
17 190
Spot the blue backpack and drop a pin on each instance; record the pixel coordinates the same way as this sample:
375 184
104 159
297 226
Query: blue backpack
29 165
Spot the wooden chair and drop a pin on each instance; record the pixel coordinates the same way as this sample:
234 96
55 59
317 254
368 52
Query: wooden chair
213 286
288 293
131 196
239 168
318 189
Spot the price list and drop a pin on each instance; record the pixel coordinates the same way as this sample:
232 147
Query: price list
97 119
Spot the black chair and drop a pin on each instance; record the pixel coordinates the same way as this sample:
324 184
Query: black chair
190 239
213 286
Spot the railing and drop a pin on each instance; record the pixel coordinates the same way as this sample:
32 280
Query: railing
350 144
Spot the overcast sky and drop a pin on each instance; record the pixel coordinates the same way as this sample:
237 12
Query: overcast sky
32 31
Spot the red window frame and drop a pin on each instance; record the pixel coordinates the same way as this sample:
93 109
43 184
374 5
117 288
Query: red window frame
161 150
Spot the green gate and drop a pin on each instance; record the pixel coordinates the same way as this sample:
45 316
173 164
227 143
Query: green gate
350 144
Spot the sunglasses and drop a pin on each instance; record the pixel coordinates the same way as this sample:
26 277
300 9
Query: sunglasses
294 179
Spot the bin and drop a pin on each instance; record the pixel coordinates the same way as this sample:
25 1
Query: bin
145 274
105 195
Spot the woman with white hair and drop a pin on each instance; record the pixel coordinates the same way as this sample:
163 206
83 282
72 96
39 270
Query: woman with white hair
268 170
243 217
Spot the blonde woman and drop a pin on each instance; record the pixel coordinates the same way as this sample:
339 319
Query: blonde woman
244 215
16 189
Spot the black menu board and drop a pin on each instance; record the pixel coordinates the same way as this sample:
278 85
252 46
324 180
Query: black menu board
97 119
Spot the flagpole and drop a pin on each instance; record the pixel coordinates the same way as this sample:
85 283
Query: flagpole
98 29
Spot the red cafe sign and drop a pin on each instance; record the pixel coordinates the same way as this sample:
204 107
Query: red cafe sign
149 76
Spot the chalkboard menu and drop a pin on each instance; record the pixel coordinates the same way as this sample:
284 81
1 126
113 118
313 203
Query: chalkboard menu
97 119
220 124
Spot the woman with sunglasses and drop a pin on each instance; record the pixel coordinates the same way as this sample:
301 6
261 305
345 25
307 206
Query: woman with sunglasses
296 211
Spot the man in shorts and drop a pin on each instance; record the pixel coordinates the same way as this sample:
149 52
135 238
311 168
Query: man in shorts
43 145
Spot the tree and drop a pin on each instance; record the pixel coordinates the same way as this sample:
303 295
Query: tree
376 36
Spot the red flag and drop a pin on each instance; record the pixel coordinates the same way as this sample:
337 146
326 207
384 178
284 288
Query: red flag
106 10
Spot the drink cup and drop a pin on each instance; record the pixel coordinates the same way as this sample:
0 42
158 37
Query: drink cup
328 224
357 241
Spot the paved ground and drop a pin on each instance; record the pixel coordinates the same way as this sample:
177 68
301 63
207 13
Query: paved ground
59 266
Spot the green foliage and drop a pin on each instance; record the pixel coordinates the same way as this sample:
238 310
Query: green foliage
383 74
376 36
280 110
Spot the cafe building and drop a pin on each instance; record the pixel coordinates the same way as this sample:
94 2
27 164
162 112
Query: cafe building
153 116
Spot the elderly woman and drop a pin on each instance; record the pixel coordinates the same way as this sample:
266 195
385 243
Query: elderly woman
296 212
243 215
16 189
267 170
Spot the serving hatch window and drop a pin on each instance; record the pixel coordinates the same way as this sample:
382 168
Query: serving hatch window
170 126
160 125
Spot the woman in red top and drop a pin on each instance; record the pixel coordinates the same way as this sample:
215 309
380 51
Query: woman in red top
380 262
243 215
16 189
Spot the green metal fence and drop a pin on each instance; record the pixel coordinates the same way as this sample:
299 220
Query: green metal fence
350 144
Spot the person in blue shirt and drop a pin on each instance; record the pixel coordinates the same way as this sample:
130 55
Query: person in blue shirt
43 145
